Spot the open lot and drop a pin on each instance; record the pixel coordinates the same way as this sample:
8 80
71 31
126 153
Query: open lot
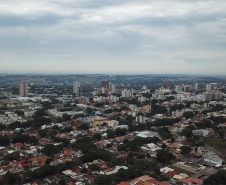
182 170
219 145
3 103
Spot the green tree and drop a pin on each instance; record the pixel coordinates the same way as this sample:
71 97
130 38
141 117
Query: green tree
164 156
4 141
185 149
115 161
83 126
89 110
66 117
10 178
217 178
103 180
188 114
97 136
108 111
187 132
55 127
111 133
42 132
164 177
154 101
60 167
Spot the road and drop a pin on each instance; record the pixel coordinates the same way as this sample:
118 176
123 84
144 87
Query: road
217 152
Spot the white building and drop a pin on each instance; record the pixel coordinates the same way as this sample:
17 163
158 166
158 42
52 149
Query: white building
29 113
200 132
144 87
76 86
23 90
112 123
214 159
177 113
141 98
112 87
196 86
140 119
126 93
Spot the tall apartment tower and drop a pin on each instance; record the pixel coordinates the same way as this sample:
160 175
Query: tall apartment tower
112 87
168 85
196 85
76 86
23 89
106 85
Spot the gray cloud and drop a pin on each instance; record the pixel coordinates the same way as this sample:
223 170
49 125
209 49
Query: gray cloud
111 36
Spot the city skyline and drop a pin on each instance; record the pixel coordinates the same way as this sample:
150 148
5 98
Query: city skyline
129 37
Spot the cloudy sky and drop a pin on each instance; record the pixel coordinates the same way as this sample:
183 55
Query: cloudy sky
113 36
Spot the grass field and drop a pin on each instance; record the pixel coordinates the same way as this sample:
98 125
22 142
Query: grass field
181 170
217 144
18 107
3 103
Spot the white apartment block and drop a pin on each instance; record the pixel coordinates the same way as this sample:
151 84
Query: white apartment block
142 99
10 117
113 123
29 114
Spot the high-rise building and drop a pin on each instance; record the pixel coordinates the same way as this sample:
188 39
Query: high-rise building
23 89
126 93
76 86
85 91
106 85
112 87
196 85
168 85
208 87
144 87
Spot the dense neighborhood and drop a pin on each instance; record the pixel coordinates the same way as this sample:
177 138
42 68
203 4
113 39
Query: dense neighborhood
124 137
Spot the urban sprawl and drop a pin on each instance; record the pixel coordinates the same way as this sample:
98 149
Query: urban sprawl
112 129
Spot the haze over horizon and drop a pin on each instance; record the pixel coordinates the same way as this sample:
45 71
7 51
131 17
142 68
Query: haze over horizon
113 37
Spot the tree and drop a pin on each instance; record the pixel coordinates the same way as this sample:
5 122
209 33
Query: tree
140 113
221 133
60 167
51 149
164 177
83 126
185 149
4 141
20 138
10 178
164 156
42 132
188 114
108 111
111 133
154 101
66 117
115 161
97 136
55 127
83 170
95 167
157 170
217 178
103 180
187 132
89 110
154 175
19 112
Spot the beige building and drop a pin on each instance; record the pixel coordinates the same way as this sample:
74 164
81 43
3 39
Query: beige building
146 108
112 123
